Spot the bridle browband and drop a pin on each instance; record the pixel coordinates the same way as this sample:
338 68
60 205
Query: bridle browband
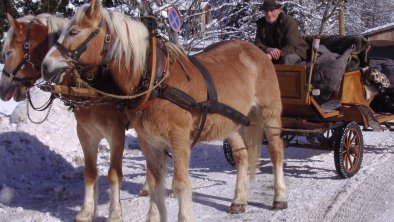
26 60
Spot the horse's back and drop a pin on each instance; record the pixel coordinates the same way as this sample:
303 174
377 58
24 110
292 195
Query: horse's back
243 65
257 72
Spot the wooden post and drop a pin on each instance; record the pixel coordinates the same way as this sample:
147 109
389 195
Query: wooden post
174 37
315 48
341 18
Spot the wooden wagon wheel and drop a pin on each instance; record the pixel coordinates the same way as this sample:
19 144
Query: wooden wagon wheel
348 150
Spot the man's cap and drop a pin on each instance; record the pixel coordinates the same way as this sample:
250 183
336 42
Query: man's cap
270 4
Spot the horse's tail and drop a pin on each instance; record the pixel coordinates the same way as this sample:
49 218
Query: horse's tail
253 136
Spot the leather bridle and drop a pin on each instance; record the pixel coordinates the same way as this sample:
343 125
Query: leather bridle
74 56
27 82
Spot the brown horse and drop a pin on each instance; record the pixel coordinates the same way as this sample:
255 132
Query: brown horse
244 77
93 123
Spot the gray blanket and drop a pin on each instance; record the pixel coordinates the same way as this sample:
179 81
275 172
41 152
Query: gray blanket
329 70
339 44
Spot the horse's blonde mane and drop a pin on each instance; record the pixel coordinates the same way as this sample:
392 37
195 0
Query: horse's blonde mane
129 38
54 23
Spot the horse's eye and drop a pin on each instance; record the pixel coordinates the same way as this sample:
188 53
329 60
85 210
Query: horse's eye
5 54
74 32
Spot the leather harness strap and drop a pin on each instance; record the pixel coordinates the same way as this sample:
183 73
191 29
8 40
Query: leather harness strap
153 59
212 105
212 96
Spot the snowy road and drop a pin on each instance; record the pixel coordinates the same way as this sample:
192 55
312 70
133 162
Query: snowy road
41 178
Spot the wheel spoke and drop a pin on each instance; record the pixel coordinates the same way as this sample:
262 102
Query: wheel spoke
352 137
349 161
346 161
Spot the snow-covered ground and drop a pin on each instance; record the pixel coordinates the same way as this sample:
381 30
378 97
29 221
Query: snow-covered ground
41 177
7 107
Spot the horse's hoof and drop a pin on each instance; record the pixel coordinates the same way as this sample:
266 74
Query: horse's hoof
84 216
279 205
115 218
237 208
79 219
144 193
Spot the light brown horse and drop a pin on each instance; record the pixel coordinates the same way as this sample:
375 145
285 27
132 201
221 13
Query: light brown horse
244 77
93 123
27 42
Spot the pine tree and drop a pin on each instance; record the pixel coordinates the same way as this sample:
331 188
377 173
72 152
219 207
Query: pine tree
58 7
27 7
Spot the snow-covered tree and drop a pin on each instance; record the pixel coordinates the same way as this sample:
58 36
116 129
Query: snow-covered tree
225 19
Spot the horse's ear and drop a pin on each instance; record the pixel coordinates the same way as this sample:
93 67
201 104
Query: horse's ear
94 8
16 26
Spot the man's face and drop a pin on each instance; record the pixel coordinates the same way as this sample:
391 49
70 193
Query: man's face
271 15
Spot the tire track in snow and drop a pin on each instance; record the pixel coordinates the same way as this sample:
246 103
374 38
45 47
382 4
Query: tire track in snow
361 198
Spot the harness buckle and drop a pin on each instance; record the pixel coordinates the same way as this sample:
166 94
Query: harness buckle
107 38
26 45
27 57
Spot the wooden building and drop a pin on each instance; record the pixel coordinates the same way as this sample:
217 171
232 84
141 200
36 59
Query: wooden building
385 32
382 41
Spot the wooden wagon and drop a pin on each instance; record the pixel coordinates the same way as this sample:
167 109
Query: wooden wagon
337 129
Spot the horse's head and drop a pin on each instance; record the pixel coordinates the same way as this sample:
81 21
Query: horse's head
27 42
79 45
97 37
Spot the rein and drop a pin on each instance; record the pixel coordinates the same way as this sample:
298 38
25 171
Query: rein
26 60
130 97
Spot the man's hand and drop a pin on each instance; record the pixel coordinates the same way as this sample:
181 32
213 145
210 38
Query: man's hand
274 53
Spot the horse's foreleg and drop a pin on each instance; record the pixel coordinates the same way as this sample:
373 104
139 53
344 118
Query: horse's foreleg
240 154
115 174
89 145
156 166
181 184
276 153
